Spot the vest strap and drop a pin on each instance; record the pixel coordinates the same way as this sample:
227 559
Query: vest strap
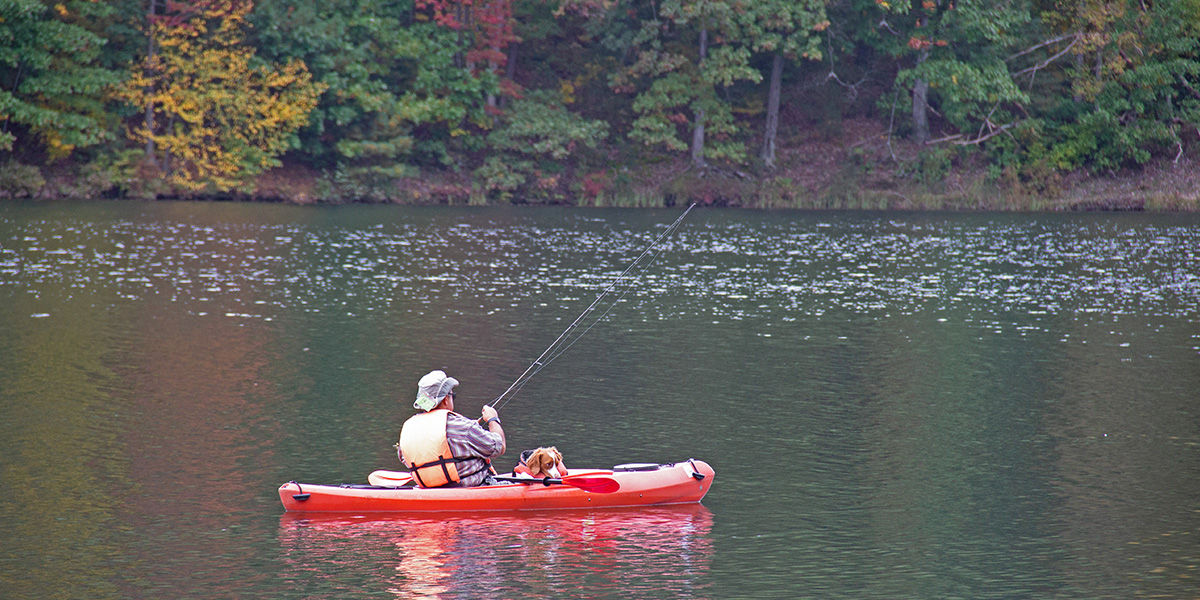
443 461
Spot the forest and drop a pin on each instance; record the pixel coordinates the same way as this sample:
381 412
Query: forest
771 103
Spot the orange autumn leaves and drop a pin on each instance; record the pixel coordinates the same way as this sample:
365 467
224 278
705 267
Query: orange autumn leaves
220 115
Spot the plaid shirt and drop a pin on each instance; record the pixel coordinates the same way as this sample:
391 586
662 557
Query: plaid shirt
467 438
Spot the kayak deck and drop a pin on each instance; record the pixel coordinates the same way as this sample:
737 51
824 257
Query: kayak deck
639 485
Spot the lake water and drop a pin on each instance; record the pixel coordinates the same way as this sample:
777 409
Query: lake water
897 405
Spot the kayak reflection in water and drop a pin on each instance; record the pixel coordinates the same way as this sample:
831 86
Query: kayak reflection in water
647 552
442 448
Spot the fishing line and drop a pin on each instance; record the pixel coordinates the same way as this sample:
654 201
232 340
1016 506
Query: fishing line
567 345
565 339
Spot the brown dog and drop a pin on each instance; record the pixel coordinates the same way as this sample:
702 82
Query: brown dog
542 462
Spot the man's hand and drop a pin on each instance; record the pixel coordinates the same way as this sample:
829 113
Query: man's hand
489 413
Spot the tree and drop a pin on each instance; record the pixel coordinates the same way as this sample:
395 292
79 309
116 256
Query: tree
484 26
955 50
52 77
399 95
219 117
787 29
679 54
1135 81
537 134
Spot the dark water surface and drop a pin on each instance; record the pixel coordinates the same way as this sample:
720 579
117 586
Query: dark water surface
897 405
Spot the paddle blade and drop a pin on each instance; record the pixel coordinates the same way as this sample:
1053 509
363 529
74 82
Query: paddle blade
594 484
383 478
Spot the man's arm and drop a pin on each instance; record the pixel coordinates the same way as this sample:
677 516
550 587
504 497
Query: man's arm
491 420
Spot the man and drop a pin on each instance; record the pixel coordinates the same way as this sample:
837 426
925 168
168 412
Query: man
442 448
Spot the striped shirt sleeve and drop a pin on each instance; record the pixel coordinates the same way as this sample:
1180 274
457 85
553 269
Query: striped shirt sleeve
467 438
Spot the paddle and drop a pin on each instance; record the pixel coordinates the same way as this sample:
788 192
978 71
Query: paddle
597 484
383 478
588 483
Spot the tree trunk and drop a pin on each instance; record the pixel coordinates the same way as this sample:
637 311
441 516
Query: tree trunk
491 98
698 131
920 105
768 149
510 68
151 52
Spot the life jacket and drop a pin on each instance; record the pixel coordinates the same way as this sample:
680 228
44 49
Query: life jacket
425 450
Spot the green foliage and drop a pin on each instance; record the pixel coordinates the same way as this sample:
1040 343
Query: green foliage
960 50
500 178
1141 88
792 28
969 93
398 91
539 125
536 135
932 166
20 181
52 80
362 184
1042 88
1099 141
130 173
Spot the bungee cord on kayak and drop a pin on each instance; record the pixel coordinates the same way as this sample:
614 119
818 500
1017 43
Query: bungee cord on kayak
568 338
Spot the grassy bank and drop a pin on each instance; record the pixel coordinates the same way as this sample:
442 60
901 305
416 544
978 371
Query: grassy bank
859 168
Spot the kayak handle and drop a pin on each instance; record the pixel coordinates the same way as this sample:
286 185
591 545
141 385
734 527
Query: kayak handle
696 472
301 497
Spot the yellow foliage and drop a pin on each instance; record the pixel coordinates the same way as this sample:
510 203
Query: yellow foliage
218 118
55 146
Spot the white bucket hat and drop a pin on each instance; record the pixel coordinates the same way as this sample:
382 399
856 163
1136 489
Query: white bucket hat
434 386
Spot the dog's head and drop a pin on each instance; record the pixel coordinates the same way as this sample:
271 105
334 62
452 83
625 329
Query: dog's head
545 462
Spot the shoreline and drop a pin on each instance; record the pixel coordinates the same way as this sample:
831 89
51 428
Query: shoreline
862 168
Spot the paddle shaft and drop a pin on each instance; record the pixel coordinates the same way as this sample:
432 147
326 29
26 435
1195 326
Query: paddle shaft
589 483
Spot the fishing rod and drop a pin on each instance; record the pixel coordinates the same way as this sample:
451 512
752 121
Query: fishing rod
564 340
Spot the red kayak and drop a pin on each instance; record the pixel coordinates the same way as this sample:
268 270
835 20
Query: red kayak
641 484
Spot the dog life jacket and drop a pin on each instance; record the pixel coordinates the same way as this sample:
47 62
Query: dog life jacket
425 450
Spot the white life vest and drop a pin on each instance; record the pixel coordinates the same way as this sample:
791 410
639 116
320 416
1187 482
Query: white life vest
425 450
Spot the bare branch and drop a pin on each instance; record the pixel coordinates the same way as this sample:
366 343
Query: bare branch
1042 45
994 133
948 138
958 140
853 87
987 121
1045 63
